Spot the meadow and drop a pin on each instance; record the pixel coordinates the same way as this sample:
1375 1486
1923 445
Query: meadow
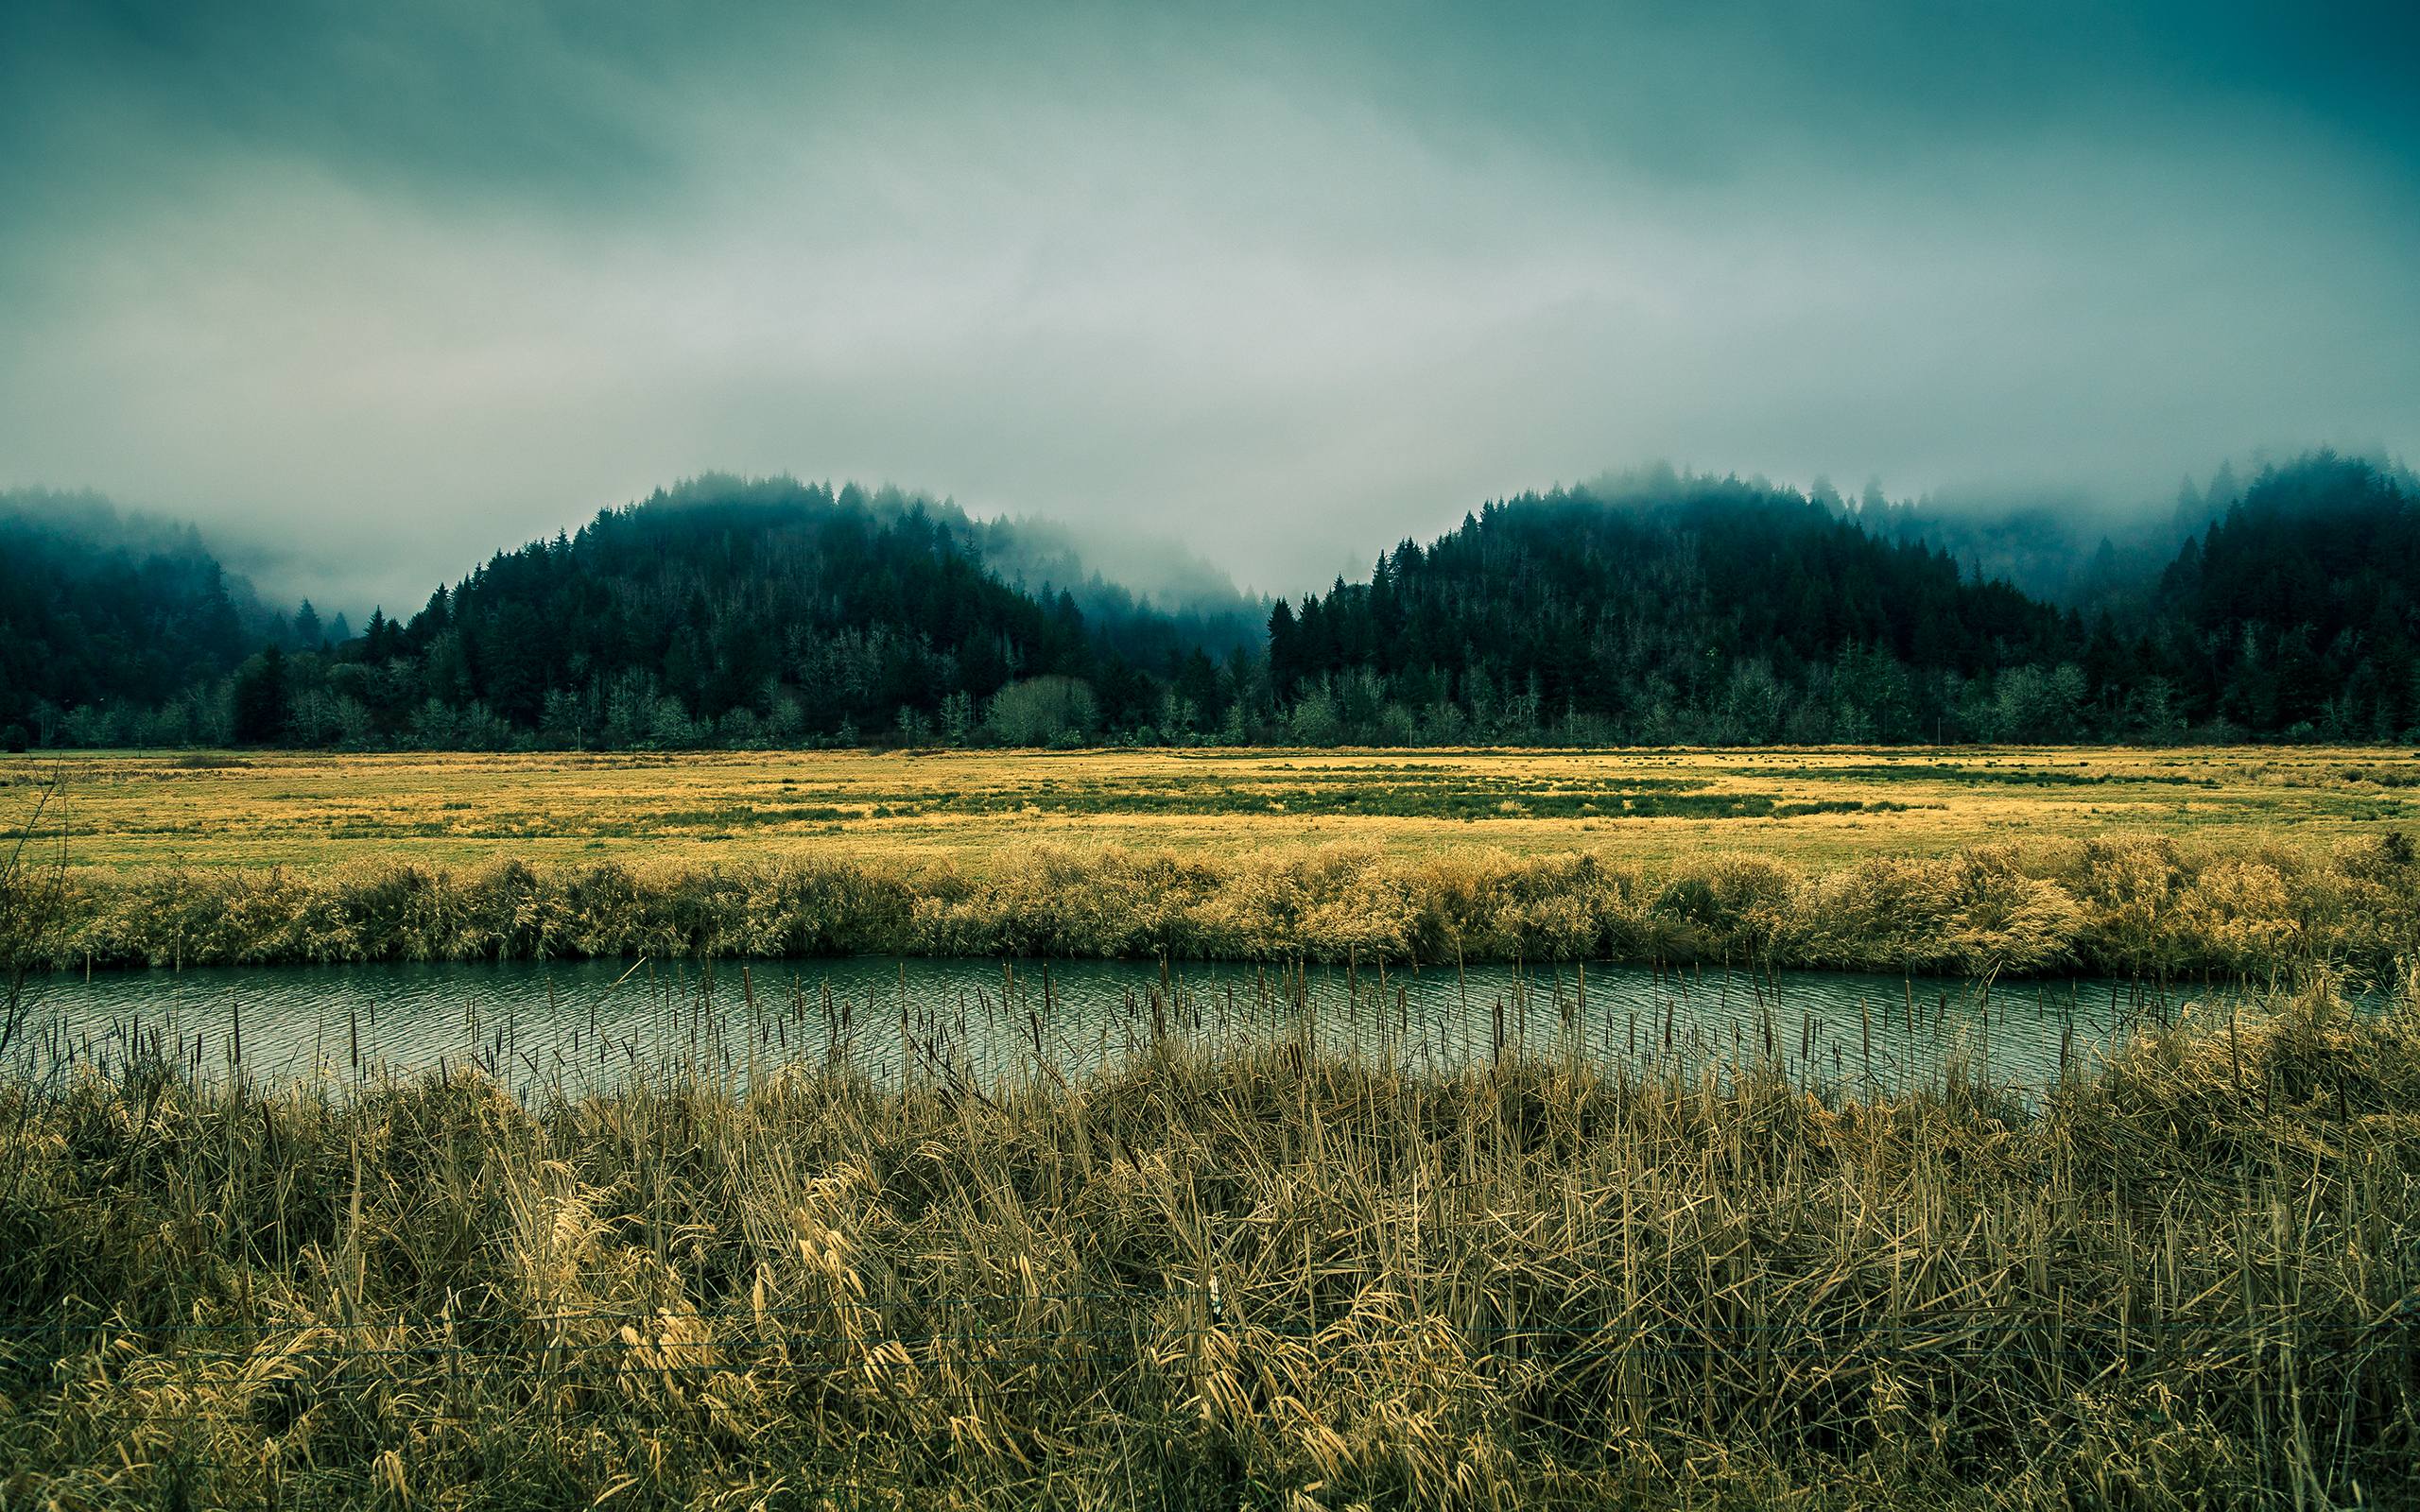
1232 1270
976 809
2129 863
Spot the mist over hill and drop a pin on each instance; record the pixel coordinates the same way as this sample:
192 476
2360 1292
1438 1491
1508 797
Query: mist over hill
1149 596
105 609
1648 607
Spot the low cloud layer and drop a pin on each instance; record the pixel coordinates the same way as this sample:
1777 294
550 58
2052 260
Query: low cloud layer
386 288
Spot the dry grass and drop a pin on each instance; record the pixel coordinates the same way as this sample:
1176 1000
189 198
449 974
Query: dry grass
1808 807
2134 862
2136 908
1245 1279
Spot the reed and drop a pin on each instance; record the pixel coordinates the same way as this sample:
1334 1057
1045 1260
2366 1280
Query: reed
2130 907
1239 1275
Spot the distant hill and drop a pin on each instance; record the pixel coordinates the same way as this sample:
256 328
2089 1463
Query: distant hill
108 611
747 610
1655 608
1673 607
2069 552
2300 605
1667 608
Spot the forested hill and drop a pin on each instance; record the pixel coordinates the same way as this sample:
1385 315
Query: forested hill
1664 608
2300 606
100 609
731 612
1694 609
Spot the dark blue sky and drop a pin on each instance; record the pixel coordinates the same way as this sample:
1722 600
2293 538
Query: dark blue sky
398 284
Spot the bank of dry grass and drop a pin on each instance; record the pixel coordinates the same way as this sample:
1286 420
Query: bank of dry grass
2128 908
1250 1279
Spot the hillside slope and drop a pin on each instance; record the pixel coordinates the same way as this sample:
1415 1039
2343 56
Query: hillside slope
741 611
100 609
1693 608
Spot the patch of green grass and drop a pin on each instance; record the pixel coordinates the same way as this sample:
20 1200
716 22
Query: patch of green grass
2002 776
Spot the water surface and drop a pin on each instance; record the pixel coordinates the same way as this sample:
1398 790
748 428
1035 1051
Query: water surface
586 1023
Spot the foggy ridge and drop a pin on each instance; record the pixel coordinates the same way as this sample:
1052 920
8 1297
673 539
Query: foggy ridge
1652 607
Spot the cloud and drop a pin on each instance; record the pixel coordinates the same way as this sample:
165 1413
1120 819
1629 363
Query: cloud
393 286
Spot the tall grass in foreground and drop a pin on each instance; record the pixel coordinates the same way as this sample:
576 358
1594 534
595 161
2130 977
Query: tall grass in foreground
2129 907
1248 1278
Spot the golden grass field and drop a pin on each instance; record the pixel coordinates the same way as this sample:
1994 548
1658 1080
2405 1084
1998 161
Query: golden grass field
1815 807
2183 1275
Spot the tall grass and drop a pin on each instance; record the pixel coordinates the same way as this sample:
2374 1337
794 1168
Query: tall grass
32 907
2128 908
1254 1276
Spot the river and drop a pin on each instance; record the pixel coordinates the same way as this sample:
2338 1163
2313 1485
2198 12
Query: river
573 1026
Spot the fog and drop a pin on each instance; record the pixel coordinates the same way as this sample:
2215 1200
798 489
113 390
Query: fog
380 289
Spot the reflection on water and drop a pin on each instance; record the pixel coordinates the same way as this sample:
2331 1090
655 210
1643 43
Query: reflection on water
575 1025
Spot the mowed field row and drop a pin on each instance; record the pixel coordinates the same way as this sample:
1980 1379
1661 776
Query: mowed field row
1809 807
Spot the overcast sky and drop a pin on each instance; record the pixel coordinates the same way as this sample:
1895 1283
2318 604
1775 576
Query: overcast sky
392 285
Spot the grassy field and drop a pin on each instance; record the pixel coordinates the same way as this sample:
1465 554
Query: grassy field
1236 1277
2248 863
1808 807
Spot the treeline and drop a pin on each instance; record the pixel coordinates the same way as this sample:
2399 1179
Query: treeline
1664 609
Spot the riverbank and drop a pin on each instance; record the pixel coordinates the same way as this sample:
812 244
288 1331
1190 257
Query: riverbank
2122 907
1250 1278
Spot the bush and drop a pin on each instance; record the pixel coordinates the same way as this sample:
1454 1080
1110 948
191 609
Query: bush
1052 711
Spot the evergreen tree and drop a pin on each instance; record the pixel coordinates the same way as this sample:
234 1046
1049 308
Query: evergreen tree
261 699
